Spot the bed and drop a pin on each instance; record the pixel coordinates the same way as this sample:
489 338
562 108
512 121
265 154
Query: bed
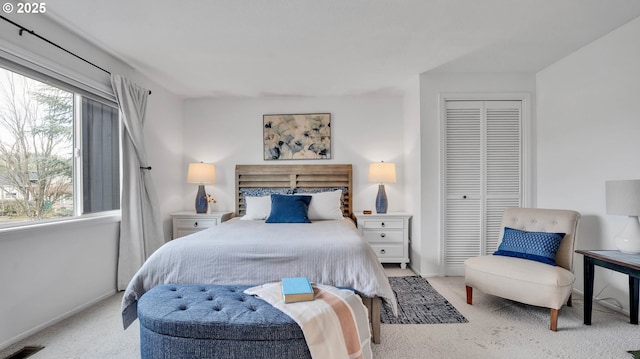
329 251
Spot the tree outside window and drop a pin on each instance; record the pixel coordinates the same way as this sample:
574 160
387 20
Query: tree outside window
36 149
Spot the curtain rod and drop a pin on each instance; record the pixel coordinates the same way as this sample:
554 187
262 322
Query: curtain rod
23 29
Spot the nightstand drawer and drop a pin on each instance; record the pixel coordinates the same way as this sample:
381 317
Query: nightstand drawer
388 251
196 223
187 222
392 235
382 224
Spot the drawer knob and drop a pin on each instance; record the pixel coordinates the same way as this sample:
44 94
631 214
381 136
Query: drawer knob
195 224
382 251
383 235
382 224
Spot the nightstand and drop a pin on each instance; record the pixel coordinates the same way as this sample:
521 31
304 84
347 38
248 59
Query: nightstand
188 222
388 235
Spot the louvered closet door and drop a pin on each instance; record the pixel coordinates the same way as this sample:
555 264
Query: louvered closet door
482 167
462 177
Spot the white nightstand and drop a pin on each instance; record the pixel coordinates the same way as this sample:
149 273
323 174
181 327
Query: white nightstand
188 222
388 235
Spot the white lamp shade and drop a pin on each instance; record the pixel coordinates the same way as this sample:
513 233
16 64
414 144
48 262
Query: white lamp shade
201 173
623 197
382 172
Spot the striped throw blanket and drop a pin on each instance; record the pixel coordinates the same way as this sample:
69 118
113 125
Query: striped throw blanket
335 324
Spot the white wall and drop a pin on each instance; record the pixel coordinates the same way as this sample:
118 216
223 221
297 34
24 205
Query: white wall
227 132
588 128
52 271
412 159
431 86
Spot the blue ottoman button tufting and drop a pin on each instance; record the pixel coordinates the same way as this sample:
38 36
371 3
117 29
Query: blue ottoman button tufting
236 326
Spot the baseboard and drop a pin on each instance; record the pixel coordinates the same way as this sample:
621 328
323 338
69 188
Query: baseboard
418 272
424 275
605 304
55 320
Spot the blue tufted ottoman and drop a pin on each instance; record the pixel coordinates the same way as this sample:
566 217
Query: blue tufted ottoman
214 321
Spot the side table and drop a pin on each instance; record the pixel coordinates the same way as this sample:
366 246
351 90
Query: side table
388 234
615 260
188 222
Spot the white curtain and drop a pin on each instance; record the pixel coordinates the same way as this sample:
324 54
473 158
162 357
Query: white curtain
141 228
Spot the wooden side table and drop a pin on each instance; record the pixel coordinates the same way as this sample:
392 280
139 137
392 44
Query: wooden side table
188 222
615 260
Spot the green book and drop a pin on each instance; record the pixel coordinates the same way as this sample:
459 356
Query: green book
297 289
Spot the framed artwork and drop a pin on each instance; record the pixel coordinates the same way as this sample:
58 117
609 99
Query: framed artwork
297 136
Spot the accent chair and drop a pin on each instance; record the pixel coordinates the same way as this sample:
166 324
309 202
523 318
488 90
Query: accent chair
524 274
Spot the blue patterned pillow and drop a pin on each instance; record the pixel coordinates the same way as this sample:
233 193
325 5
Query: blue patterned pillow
345 190
289 209
536 246
261 192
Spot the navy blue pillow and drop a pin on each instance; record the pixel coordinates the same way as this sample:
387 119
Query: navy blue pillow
289 209
536 246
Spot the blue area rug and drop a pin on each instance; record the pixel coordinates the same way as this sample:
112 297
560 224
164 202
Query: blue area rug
419 303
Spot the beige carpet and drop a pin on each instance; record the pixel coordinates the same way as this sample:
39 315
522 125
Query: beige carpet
497 329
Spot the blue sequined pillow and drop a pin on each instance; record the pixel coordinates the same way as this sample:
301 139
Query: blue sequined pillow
289 209
536 246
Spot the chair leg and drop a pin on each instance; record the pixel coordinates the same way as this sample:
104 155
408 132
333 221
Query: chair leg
469 295
554 320
569 304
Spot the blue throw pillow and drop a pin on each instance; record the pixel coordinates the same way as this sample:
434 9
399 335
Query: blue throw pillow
289 209
536 246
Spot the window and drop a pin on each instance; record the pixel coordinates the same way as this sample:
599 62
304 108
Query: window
59 150
101 157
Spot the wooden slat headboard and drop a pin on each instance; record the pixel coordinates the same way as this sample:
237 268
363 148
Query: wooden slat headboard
293 176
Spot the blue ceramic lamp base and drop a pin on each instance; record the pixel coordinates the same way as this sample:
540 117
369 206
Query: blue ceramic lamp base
381 200
202 205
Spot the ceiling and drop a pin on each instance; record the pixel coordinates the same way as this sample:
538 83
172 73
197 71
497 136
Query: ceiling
240 48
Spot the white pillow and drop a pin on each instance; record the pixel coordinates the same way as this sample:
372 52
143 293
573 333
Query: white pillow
324 205
257 208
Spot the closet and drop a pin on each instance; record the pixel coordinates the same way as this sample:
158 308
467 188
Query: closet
483 175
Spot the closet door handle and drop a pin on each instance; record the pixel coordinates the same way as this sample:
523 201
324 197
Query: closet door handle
195 224
382 224
382 251
383 235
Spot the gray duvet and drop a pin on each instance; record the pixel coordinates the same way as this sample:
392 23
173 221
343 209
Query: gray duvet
253 252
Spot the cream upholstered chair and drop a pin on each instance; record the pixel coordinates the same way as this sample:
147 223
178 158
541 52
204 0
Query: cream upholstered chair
528 281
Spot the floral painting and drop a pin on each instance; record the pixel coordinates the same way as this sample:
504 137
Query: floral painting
297 137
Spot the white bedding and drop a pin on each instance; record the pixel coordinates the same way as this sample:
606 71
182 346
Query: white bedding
253 252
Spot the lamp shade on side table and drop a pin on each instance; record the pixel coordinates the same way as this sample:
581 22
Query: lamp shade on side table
201 173
623 198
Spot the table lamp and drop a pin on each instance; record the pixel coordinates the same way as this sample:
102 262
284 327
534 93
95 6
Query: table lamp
201 173
382 172
623 198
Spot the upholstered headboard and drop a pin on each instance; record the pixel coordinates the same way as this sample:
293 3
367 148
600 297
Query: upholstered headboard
293 176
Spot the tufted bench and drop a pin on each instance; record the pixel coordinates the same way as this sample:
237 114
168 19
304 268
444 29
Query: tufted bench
214 321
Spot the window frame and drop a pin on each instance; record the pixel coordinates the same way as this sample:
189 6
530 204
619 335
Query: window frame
79 90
